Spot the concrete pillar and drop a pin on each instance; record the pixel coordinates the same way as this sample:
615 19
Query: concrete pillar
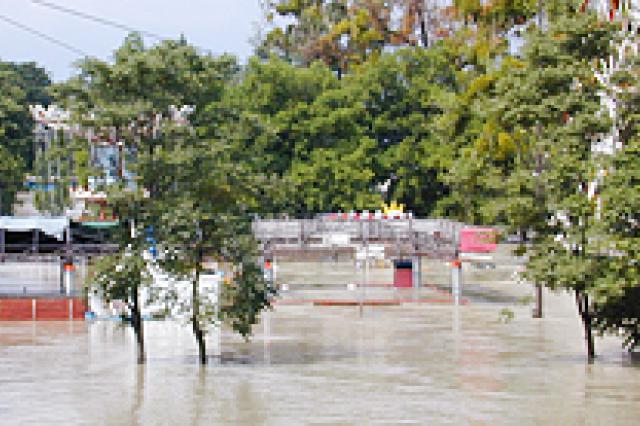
416 272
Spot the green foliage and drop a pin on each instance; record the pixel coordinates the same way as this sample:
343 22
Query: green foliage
32 80
203 213
616 281
117 276
11 178
143 81
16 126
186 185
459 130
335 140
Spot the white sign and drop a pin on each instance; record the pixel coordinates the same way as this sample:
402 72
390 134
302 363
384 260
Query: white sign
336 239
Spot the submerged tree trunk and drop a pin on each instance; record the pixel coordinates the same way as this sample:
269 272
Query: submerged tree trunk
582 300
588 335
197 330
538 312
136 323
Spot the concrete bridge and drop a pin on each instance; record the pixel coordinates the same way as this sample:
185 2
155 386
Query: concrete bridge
436 238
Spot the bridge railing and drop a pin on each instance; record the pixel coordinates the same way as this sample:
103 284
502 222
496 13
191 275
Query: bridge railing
305 229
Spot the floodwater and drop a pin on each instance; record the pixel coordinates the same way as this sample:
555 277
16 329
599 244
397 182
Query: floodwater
427 364
417 363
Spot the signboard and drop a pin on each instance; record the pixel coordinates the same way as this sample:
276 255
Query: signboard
374 251
478 240
336 239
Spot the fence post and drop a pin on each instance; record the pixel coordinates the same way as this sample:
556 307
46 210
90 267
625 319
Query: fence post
33 309
70 309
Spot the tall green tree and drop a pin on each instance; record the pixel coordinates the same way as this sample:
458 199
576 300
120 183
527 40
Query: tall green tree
616 287
205 212
123 275
378 123
171 167
341 33
550 109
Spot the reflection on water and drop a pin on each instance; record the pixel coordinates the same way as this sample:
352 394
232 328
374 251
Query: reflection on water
423 363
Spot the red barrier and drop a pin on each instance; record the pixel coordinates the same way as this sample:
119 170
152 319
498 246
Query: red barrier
52 309
42 309
15 309
79 308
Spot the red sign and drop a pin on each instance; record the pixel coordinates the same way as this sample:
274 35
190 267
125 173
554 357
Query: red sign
478 240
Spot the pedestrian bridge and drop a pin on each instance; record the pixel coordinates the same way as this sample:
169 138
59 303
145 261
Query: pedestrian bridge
425 237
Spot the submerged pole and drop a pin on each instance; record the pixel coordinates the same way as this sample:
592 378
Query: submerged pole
538 311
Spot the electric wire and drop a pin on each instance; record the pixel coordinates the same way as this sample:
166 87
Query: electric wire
95 18
43 36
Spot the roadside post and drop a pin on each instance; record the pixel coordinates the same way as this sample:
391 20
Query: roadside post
456 279
68 275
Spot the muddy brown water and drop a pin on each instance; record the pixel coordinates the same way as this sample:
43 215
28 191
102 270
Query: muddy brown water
426 363
416 364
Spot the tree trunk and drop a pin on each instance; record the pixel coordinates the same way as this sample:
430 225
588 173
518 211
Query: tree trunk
538 313
197 330
582 300
138 329
588 335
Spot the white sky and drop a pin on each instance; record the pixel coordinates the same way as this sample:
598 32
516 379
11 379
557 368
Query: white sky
216 25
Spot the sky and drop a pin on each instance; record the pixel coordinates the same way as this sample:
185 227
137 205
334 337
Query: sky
219 26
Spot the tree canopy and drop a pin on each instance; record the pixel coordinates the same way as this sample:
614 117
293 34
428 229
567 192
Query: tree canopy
21 84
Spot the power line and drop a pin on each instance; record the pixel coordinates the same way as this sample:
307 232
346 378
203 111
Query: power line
94 18
44 36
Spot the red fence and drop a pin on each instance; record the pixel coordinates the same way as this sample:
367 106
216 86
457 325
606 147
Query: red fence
42 309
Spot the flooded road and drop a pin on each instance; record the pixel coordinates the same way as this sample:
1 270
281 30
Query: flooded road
414 363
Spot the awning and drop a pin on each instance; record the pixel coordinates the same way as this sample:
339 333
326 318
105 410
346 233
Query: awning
53 226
